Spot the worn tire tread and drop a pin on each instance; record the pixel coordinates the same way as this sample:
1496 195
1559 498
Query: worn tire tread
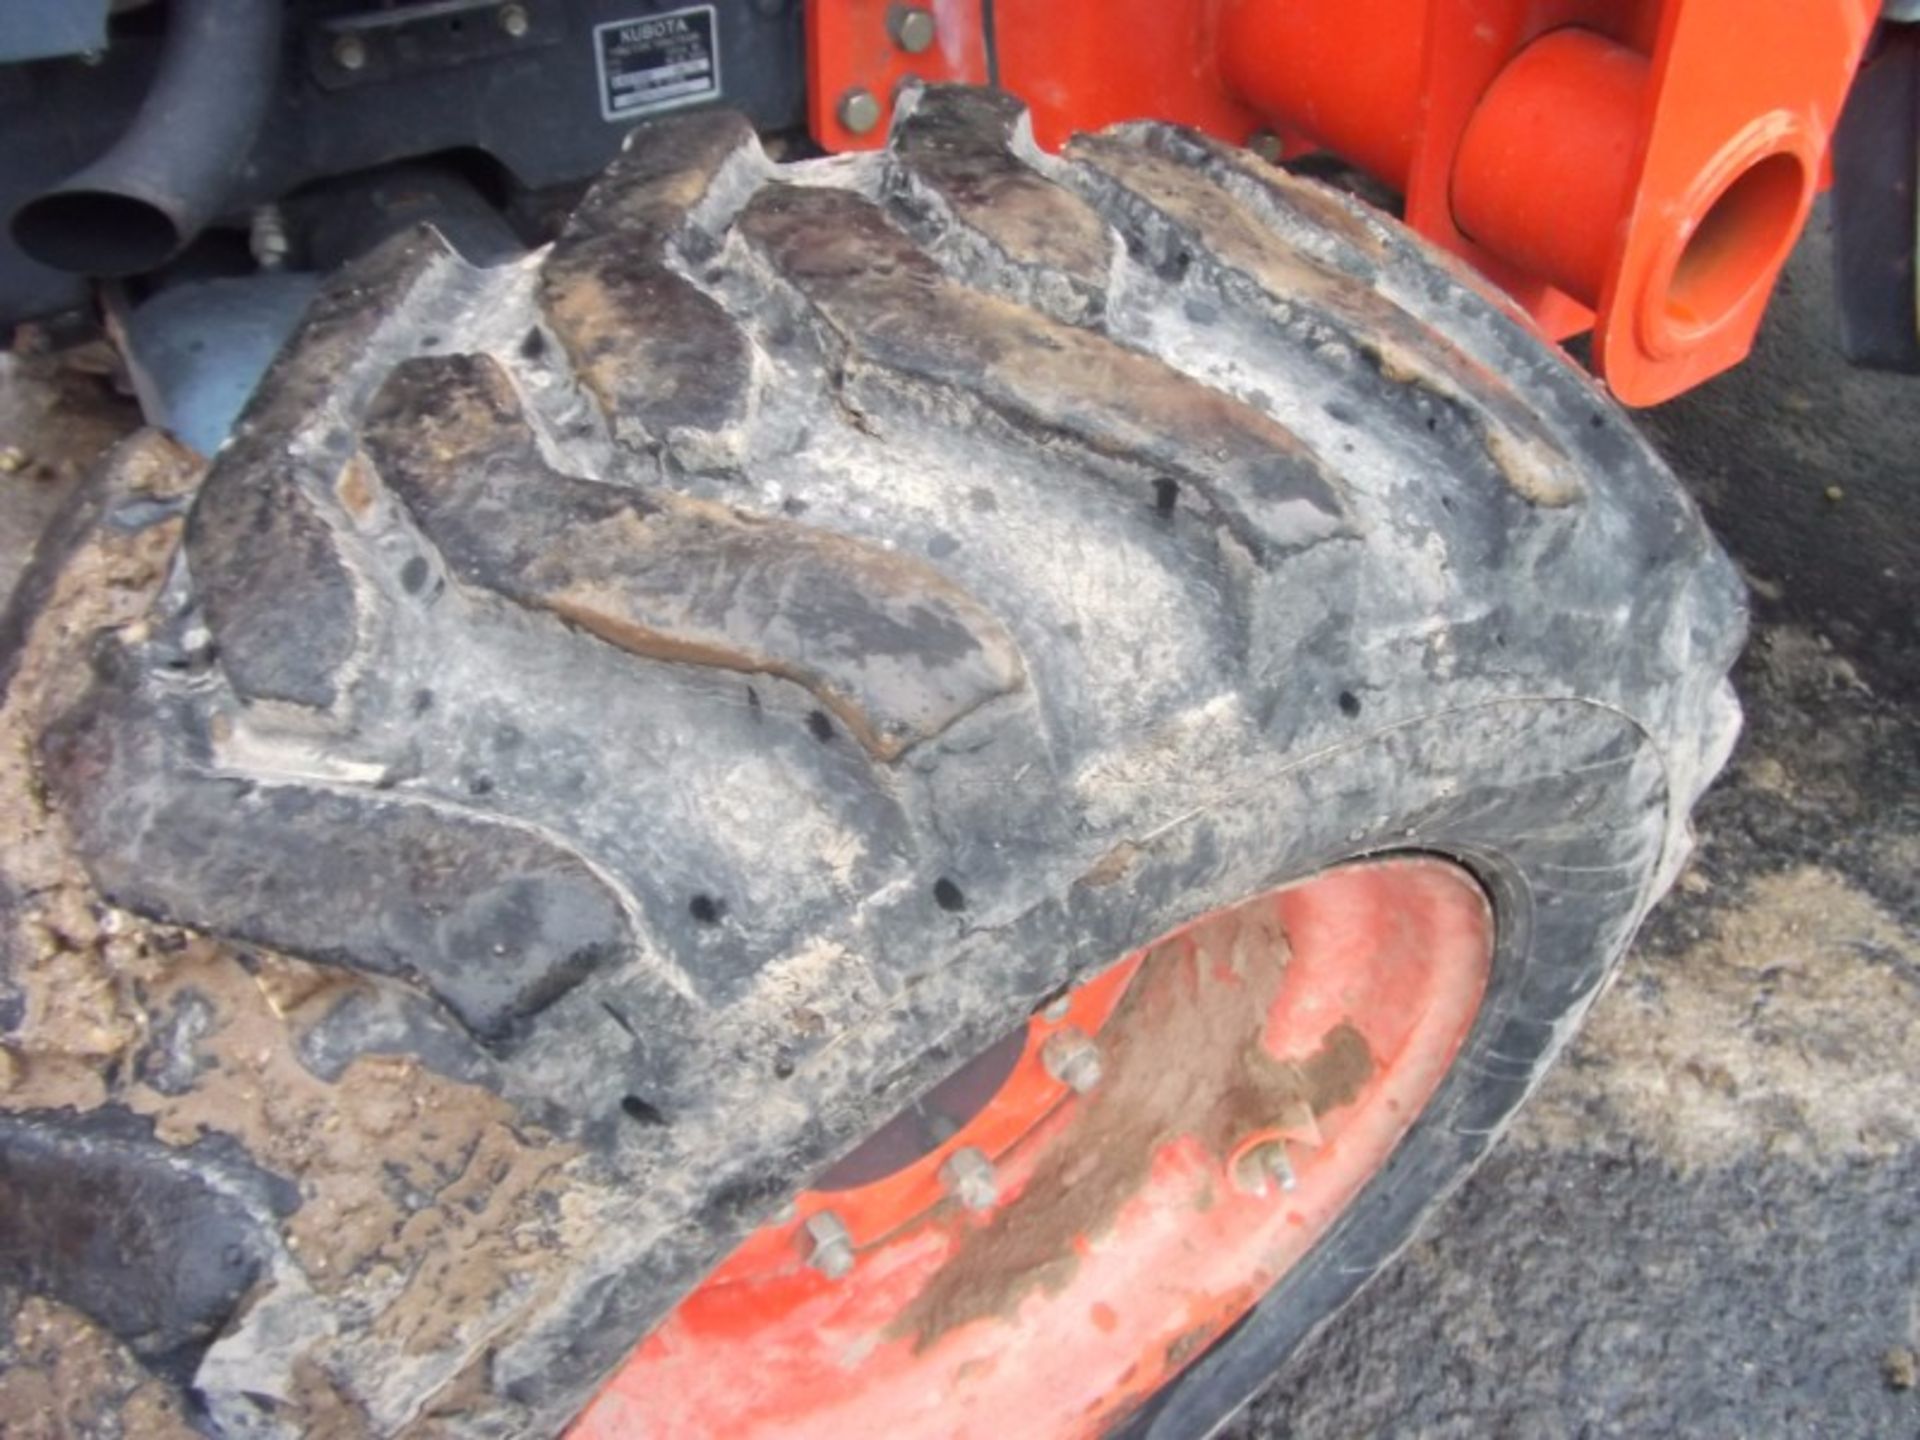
735 655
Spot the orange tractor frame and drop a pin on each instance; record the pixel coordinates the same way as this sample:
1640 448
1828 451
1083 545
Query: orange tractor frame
1639 169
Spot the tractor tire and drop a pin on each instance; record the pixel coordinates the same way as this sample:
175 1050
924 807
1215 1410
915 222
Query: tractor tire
612 728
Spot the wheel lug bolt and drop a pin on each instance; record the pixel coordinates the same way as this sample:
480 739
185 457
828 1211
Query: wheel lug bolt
969 1178
1280 1166
829 1246
1072 1059
1266 1163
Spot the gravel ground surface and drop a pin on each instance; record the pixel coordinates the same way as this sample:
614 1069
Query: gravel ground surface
1707 1223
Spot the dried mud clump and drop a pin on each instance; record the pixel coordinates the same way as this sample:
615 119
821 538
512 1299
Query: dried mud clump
424 1203
1789 1031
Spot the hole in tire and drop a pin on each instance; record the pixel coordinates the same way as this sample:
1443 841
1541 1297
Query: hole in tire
641 1111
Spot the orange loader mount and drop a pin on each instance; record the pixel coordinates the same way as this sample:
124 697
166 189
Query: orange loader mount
1637 168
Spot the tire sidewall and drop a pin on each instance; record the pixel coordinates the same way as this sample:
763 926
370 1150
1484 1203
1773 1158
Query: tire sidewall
1558 808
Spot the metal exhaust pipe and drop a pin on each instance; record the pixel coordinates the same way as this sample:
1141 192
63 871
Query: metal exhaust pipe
140 203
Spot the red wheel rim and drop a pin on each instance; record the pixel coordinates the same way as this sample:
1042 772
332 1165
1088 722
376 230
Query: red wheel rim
1133 1224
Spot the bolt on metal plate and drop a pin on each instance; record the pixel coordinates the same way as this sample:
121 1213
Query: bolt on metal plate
859 111
913 28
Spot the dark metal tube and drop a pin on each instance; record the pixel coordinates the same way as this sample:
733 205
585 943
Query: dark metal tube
162 181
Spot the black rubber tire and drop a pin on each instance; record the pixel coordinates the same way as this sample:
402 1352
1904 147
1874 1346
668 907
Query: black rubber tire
693 688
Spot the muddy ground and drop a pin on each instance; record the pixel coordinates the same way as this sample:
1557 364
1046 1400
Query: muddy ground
1708 1223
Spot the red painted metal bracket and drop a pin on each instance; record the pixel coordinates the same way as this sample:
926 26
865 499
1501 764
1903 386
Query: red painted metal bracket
1743 102
860 51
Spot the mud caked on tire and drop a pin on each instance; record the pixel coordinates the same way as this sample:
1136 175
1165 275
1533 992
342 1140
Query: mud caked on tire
619 724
